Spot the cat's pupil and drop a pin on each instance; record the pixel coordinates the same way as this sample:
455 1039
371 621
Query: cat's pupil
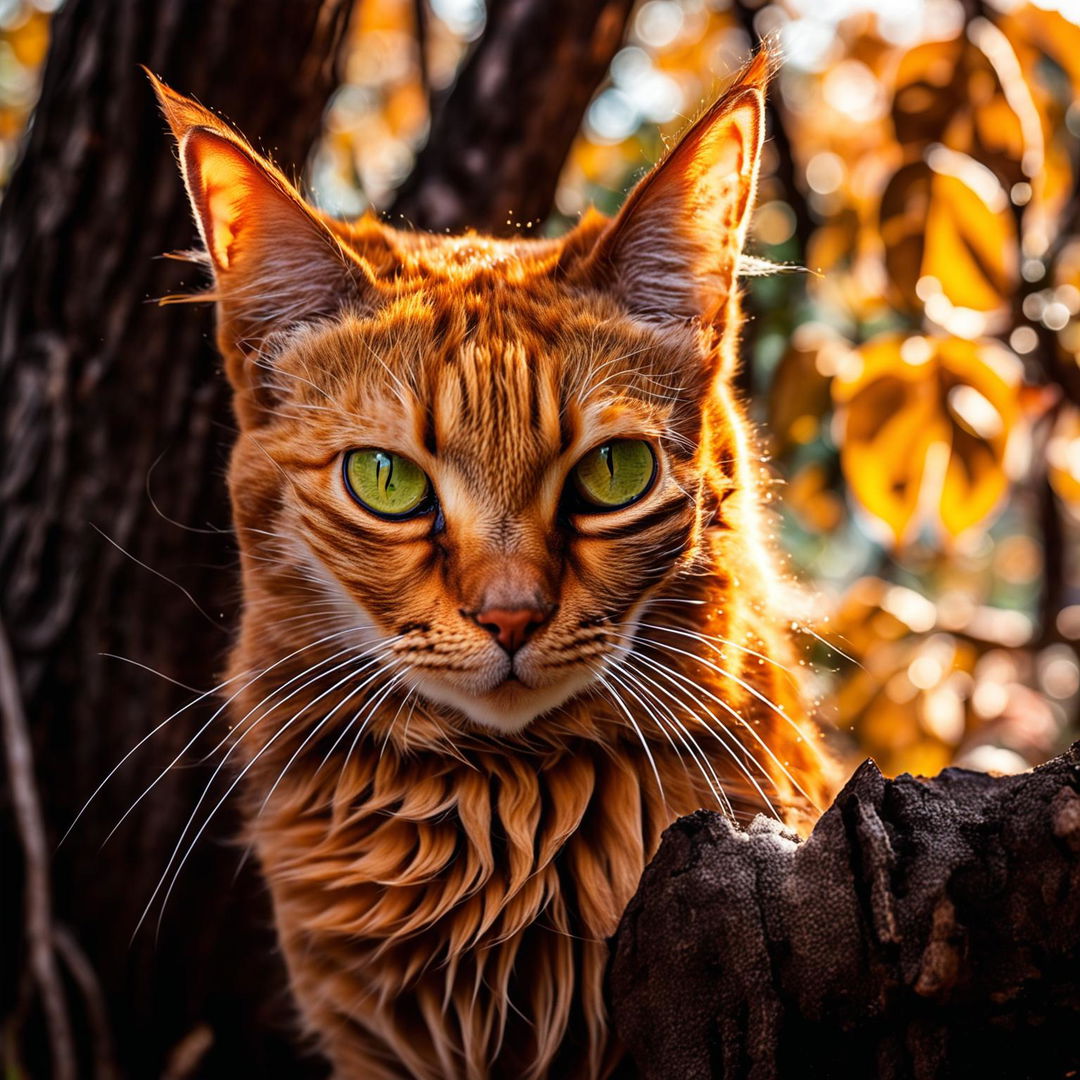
384 464
609 460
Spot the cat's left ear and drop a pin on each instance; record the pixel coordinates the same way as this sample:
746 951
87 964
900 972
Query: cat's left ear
673 251
274 259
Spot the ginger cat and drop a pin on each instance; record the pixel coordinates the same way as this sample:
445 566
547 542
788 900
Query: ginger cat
507 591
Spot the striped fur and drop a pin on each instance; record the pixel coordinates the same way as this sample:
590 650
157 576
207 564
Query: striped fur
448 851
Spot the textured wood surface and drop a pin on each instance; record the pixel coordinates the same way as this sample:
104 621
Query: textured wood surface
926 928
500 137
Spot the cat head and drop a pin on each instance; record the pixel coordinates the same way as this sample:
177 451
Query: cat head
490 453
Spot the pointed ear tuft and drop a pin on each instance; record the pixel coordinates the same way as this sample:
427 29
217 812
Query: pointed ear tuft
275 262
183 113
238 204
673 251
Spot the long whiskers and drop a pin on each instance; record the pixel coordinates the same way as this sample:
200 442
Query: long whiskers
634 724
164 577
385 654
801 628
732 748
370 706
742 721
370 712
632 684
752 690
390 728
153 671
217 806
146 738
198 734
703 637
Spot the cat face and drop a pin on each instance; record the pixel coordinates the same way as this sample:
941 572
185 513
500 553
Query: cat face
491 453
480 490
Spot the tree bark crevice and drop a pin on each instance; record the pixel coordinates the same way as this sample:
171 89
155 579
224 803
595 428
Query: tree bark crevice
500 136
926 928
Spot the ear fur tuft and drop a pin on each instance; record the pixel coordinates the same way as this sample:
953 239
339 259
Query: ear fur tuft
274 260
674 250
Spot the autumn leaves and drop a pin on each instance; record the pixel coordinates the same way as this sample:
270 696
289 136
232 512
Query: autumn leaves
947 247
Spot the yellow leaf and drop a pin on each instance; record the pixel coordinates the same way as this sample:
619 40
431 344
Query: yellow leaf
1063 455
926 424
29 41
971 94
799 394
809 495
950 241
834 242
1037 31
926 91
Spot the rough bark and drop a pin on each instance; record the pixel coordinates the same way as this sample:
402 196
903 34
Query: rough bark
115 432
500 138
927 928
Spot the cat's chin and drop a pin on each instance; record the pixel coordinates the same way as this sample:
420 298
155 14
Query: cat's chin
508 707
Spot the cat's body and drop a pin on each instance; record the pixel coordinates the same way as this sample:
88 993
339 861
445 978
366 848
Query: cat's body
461 728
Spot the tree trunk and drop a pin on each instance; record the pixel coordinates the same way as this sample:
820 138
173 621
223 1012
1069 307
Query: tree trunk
926 929
116 428
499 140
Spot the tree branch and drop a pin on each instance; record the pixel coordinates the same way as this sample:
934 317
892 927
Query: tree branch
499 141
37 891
97 1014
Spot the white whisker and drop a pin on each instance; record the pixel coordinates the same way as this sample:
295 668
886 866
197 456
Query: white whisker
328 717
149 735
717 733
198 734
217 806
629 681
633 723
727 708
706 638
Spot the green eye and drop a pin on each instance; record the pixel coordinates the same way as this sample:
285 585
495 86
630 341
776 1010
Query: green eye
386 483
615 474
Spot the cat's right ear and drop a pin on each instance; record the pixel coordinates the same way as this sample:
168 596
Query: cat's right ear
275 263
673 251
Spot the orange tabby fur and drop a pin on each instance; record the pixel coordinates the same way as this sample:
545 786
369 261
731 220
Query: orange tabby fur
447 851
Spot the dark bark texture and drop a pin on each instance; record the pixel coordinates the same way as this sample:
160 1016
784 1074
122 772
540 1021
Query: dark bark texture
115 433
500 137
926 928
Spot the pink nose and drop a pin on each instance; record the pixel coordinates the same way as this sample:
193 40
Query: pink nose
510 627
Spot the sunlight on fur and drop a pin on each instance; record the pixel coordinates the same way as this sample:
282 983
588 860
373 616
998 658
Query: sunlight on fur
508 592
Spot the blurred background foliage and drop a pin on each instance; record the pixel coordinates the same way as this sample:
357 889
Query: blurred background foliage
917 365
